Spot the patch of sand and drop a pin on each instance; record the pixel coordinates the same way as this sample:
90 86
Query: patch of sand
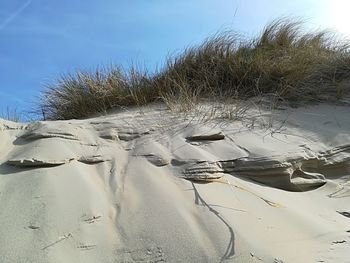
145 185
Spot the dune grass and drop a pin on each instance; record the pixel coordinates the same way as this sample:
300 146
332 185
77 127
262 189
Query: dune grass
283 61
11 114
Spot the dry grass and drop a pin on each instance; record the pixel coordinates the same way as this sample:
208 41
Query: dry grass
283 61
86 93
11 114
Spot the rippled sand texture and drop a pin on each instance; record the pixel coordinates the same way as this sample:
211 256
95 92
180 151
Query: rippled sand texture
148 185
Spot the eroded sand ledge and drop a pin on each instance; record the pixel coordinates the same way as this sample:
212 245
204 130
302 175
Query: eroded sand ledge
146 186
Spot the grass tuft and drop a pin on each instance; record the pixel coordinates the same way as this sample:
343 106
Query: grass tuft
283 61
87 93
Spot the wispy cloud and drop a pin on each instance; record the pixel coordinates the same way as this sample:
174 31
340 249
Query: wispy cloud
12 16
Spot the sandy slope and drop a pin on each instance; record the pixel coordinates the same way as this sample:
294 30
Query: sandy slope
149 186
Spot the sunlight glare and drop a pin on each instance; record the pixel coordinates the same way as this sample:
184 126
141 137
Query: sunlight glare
339 14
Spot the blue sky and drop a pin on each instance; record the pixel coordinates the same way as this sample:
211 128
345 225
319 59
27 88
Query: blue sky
42 39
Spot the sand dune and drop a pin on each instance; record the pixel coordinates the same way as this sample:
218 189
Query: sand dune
148 185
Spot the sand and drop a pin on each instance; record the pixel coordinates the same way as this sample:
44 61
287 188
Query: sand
150 185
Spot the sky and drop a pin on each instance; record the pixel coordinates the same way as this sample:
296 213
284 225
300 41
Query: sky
42 39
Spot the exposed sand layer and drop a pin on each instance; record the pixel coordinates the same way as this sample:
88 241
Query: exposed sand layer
146 185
